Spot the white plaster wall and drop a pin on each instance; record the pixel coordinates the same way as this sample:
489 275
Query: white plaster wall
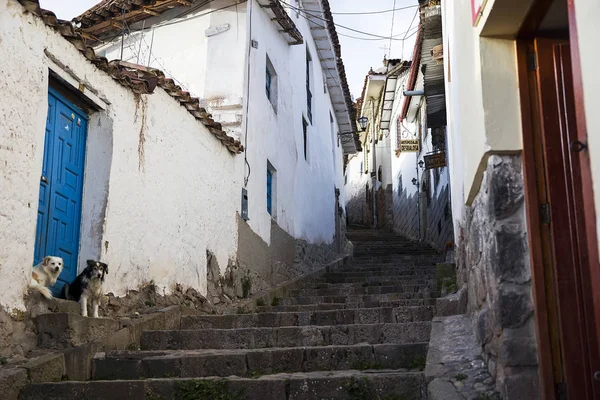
587 17
162 213
305 203
483 99
455 153
405 163
180 48
356 180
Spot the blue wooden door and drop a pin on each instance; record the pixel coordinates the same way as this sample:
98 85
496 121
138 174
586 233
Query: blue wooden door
61 186
269 192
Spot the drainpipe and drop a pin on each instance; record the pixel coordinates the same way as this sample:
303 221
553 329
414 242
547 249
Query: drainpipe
418 196
375 168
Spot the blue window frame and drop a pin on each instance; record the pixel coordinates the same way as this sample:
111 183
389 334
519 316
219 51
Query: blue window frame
269 79
270 192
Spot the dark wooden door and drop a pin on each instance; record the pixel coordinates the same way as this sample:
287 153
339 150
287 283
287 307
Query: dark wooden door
569 278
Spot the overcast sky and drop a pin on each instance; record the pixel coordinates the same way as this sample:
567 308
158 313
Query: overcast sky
358 55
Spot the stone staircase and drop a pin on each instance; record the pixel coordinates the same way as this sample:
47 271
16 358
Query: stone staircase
358 332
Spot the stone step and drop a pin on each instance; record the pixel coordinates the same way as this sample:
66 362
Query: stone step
380 315
254 338
392 249
335 306
348 291
256 363
355 299
385 267
333 385
387 274
395 258
377 279
321 283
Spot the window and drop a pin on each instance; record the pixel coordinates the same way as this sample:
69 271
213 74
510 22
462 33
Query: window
400 184
309 96
271 190
333 140
305 132
269 80
271 84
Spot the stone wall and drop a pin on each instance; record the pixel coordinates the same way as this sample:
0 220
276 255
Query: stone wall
266 265
405 211
384 208
493 263
440 229
358 207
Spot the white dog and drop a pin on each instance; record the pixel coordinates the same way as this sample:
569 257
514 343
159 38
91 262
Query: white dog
45 274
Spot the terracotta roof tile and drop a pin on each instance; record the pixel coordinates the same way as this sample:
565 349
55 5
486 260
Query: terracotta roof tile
342 70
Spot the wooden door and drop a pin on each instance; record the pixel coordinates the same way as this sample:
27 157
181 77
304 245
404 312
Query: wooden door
568 281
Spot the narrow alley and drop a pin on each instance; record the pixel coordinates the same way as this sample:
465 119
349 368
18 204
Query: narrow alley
359 331
299 200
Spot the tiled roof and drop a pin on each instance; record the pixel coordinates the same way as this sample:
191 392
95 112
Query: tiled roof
342 71
139 79
109 15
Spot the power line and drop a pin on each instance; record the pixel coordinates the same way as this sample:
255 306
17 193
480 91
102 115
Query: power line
338 25
410 26
343 34
371 39
374 12
187 11
392 30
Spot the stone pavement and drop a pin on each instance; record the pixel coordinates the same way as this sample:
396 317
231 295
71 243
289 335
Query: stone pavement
454 363
359 332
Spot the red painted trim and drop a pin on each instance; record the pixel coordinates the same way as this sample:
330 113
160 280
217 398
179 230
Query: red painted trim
414 71
475 11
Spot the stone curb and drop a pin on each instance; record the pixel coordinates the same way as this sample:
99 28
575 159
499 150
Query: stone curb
76 362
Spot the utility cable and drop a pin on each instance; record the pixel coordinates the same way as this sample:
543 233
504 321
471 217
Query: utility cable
392 30
410 26
338 25
375 12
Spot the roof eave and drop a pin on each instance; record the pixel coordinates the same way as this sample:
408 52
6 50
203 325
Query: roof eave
323 31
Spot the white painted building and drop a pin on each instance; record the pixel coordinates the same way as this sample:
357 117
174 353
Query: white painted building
421 191
160 181
210 48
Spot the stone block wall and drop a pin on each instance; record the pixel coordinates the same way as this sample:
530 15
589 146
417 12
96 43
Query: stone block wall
440 228
493 262
359 211
384 208
405 213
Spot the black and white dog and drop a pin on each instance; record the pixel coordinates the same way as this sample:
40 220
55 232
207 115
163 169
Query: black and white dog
88 285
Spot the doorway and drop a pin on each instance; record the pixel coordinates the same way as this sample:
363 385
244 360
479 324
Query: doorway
61 186
553 144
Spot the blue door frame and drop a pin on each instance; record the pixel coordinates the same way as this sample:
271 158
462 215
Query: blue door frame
61 186
269 191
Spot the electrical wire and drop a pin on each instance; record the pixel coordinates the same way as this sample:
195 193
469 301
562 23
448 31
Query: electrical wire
373 39
338 25
410 26
169 23
246 163
375 12
392 30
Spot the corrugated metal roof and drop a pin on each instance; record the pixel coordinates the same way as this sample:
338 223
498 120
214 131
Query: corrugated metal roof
433 76
139 79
